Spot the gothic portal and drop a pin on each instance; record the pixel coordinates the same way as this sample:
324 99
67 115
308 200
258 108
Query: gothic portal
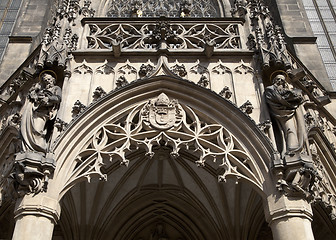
179 120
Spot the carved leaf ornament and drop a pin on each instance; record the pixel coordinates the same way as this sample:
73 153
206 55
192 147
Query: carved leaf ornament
165 122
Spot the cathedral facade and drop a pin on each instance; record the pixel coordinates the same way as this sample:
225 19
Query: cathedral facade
179 120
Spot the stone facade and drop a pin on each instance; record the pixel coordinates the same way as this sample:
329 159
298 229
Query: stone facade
166 120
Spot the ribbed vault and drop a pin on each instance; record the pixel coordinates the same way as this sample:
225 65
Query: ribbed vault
187 201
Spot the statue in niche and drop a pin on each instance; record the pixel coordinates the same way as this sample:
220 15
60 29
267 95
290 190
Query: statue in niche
40 110
284 105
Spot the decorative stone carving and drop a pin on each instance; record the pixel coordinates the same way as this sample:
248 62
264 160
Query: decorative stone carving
179 70
251 42
68 9
246 107
17 83
31 173
78 108
136 9
56 52
164 35
164 122
98 93
243 68
272 47
258 8
168 8
226 93
60 125
203 74
127 72
322 191
221 69
203 82
70 40
40 109
299 182
145 70
86 11
310 121
186 7
162 113
239 9
265 126
283 103
162 32
83 69
121 81
105 69
34 164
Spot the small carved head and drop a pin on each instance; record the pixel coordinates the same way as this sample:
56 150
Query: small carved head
48 78
279 79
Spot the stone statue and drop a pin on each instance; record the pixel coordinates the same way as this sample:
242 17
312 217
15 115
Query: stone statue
40 109
284 107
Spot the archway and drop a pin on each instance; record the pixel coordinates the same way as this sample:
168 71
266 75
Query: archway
162 189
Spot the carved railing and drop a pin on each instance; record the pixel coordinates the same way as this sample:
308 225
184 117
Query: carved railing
170 35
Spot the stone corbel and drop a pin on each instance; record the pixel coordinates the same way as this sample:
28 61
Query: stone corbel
298 181
31 172
209 47
54 53
116 48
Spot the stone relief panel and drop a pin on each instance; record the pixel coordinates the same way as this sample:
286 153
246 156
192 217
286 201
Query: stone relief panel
222 80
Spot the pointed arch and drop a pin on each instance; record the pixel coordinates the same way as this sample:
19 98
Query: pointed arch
120 102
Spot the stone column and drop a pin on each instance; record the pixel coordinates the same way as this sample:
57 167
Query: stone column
35 217
289 218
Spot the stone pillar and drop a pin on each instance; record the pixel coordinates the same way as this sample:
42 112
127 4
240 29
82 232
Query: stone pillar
289 218
35 217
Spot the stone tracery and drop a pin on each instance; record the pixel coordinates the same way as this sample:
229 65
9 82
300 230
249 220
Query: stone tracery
165 122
